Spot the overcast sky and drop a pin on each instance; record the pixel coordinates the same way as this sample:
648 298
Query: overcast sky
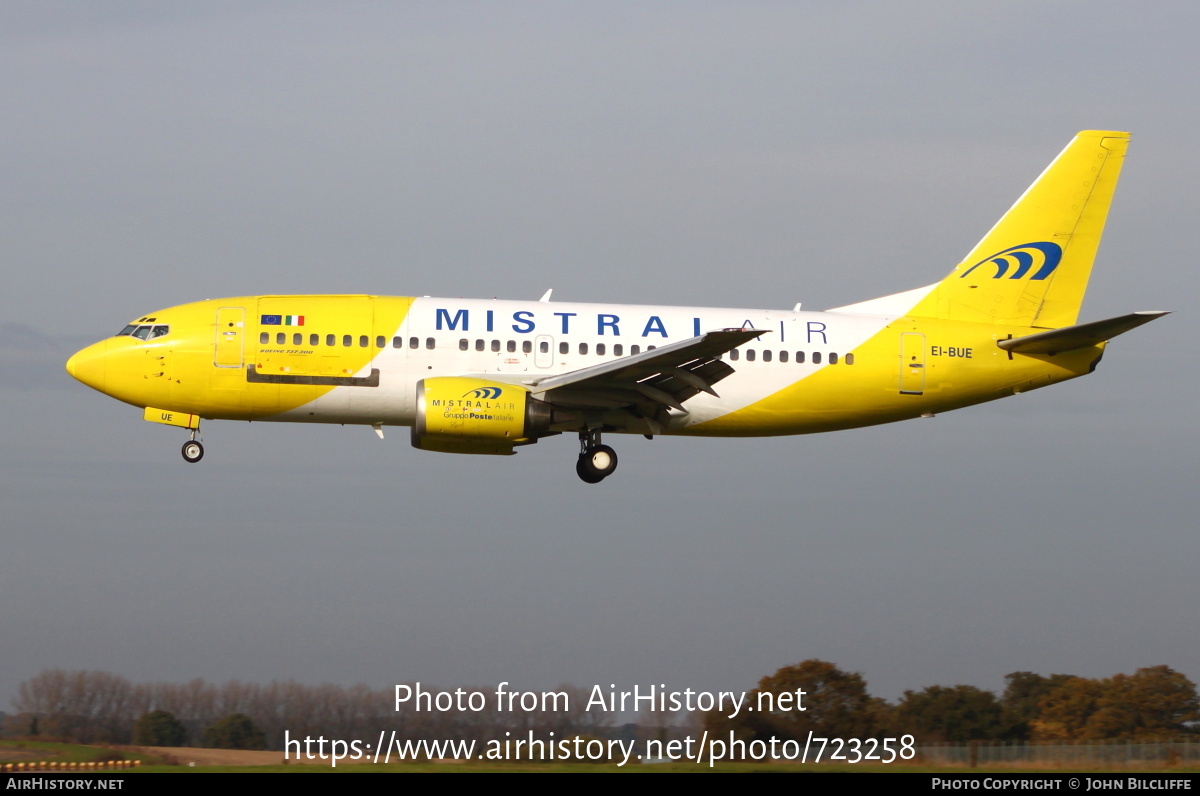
711 154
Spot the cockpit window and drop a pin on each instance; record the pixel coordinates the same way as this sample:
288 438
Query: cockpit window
143 332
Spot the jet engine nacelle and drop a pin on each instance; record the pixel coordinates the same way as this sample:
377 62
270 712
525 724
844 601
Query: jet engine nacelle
465 415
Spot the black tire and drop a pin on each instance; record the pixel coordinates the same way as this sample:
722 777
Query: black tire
192 451
585 472
596 464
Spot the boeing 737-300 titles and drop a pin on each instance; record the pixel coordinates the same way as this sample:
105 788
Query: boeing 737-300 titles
486 377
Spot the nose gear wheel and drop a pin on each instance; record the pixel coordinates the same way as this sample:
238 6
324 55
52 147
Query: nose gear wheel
193 451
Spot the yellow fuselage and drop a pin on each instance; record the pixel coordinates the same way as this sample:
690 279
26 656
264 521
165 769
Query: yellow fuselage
357 359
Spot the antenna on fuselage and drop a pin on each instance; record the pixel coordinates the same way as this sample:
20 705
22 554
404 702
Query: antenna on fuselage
546 297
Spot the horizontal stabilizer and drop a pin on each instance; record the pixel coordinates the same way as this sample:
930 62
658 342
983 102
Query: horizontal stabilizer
1056 341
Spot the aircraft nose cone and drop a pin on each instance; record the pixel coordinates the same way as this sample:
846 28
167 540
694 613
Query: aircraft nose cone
87 366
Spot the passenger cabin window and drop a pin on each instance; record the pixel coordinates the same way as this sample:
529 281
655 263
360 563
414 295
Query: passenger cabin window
799 357
331 339
600 349
512 346
479 345
464 344
734 354
564 348
816 358
414 342
767 355
750 354
347 340
618 350
583 348
397 342
430 343
849 359
496 345
635 349
527 347
380 341
314 339
544 347
297 339
363 342
783 356
264 338
280 338
833 359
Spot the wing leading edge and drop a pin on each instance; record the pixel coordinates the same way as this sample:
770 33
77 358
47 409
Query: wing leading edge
662 377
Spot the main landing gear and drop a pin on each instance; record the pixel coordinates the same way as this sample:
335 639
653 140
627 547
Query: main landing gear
193 451
596 461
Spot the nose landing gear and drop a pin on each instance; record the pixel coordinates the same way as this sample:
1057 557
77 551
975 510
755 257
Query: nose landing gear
596 462
193 451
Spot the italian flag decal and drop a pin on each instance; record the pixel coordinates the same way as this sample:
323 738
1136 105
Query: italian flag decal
282 320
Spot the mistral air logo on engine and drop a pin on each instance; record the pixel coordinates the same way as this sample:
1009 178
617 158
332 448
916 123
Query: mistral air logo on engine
479 403
1044 254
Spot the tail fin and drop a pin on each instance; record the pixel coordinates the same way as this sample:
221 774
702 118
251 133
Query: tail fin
1032 268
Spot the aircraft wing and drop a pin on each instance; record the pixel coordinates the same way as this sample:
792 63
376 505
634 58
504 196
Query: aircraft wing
1085 334
662 377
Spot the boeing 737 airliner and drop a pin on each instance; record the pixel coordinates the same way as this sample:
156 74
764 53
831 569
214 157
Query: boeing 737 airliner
488 376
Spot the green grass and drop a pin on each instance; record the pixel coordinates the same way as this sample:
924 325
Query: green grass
44 751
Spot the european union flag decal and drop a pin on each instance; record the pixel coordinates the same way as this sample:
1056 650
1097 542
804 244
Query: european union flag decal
281 320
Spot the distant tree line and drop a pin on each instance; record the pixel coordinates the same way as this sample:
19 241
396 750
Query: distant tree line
1155 703
100 707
